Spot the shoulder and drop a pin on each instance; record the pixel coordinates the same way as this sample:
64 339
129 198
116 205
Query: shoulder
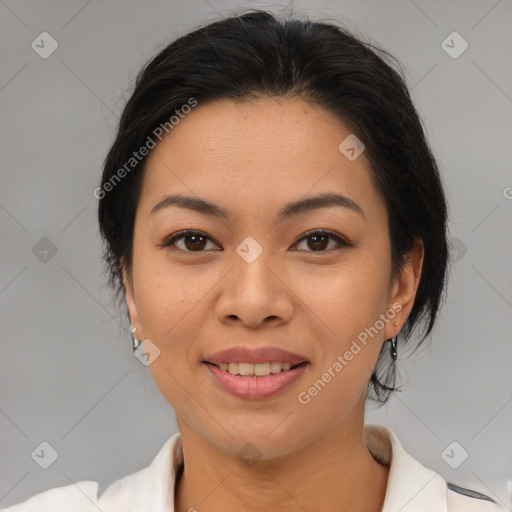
148 488
466 500
87 496
82 496
416 488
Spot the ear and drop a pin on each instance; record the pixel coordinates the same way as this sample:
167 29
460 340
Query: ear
403 289
130 296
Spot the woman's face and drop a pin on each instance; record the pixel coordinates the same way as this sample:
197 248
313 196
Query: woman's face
261 275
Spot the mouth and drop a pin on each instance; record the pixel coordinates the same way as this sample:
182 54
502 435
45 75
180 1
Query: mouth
253 370
255 381
255 373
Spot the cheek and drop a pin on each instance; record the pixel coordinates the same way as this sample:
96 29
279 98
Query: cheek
349 297
168 296
349 303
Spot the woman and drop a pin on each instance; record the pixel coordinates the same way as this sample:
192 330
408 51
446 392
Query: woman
275 220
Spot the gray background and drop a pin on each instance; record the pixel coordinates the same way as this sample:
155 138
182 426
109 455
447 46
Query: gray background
68 376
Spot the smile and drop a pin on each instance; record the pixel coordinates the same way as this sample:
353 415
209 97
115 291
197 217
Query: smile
251 386
255 369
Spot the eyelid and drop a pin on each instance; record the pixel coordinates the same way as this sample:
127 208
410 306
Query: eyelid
339 239
171 239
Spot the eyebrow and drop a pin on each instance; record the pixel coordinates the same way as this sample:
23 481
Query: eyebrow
288 210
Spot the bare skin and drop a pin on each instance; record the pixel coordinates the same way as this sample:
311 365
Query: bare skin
251 158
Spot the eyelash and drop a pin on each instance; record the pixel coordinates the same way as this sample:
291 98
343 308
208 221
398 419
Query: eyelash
184 233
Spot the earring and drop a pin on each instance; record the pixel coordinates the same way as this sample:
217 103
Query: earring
393 348
136 342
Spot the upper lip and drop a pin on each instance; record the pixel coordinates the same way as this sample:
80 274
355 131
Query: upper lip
254 355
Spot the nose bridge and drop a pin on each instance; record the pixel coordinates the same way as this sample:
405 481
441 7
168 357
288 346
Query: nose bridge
254 290
253 268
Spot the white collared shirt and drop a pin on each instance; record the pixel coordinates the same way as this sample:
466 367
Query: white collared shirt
411 486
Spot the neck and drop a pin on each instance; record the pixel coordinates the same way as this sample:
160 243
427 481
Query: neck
336 472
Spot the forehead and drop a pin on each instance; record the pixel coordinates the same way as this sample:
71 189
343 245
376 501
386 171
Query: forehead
256 153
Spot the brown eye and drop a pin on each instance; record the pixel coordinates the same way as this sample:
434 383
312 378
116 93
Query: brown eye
318 241
187 241
194 242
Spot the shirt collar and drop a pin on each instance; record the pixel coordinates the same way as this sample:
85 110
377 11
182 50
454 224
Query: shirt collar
411 486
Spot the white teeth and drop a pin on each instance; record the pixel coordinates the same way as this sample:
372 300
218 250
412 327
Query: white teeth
246 368
255 369
275 367
262 369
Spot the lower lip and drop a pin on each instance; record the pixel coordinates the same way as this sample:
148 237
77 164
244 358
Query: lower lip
256 388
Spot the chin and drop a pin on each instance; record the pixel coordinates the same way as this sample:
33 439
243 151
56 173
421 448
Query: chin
251 442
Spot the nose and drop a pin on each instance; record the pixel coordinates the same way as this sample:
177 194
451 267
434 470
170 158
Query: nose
255 293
